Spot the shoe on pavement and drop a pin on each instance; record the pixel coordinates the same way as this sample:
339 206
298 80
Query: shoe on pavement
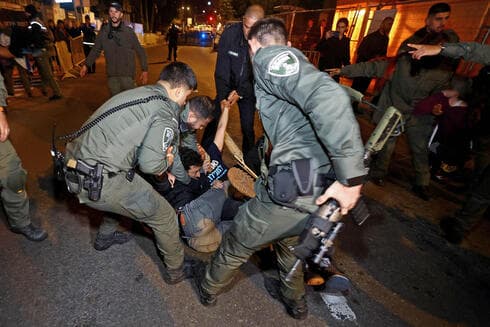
298 309
31 232
175 276
338 284
103 242
421 191
206 299
55 97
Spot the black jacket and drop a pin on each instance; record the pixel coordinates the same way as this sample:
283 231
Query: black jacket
233 67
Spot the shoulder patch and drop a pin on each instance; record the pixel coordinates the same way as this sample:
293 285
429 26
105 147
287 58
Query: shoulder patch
284 64
167 138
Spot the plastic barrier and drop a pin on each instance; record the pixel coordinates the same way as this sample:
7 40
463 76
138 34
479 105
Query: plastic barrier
65 60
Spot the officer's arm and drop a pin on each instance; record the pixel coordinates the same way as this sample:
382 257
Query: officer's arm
365 69
471 51
222 73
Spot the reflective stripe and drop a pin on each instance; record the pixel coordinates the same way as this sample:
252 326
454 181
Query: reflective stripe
38 23
88 43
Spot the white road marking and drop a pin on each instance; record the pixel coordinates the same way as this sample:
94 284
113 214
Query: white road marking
338 306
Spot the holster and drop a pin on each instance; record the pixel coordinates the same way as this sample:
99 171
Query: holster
80 175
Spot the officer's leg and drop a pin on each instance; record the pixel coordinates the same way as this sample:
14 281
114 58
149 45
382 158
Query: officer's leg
114 85
257 224
139 201
169 57
418 131
380 166
47 74
24 77
295 288
7 72
12 179
247 114
175 52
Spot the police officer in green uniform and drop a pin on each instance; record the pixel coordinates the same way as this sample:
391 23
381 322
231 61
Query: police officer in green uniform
306 117
13 181
139 128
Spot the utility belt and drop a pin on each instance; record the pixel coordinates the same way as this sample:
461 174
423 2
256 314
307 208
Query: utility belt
285 183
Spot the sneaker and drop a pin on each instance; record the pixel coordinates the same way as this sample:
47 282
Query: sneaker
103 242
31 232
338 284
421 191
206 299
55 97
298 309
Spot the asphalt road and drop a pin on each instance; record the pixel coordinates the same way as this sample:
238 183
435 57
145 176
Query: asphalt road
403 272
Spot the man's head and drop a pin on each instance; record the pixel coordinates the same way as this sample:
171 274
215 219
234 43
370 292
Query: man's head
192 161
87 19
310 23
267 32
200 112
31 11
115 13
437 17
179 80
386 25
253 14
342 25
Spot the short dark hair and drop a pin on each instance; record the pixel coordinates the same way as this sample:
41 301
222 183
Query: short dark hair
87 17
189 157
202 106
438 8
343 20
269 30
179 74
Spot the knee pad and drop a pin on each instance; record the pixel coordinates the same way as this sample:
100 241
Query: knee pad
16 181
207 239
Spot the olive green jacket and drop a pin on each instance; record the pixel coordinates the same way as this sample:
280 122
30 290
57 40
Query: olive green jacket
306 114
470 51
137 135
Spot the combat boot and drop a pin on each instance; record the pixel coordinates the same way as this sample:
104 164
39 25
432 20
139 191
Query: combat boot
31 232
175 276
103 242
298 309
206 299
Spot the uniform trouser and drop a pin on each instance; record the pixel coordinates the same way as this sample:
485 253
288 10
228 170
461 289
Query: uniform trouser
418 130
12 184
172 50
24 77
117 84
259 222
86 51
139 201
47 78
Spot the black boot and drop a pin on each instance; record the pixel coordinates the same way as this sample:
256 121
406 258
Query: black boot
298 309
31 232
103 242
206 299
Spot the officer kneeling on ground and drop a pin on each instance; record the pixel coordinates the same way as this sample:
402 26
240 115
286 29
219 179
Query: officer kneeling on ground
305 114
137 128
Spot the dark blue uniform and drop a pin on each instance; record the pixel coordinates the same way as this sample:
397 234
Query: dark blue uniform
234 72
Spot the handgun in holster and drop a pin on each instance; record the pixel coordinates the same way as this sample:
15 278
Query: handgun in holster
92 177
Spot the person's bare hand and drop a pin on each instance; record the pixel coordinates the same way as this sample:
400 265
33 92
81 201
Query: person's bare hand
217 184
225 105
422 50
144 78
83 71
333 71
171 179
170 156
347 196
233 97
4 127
